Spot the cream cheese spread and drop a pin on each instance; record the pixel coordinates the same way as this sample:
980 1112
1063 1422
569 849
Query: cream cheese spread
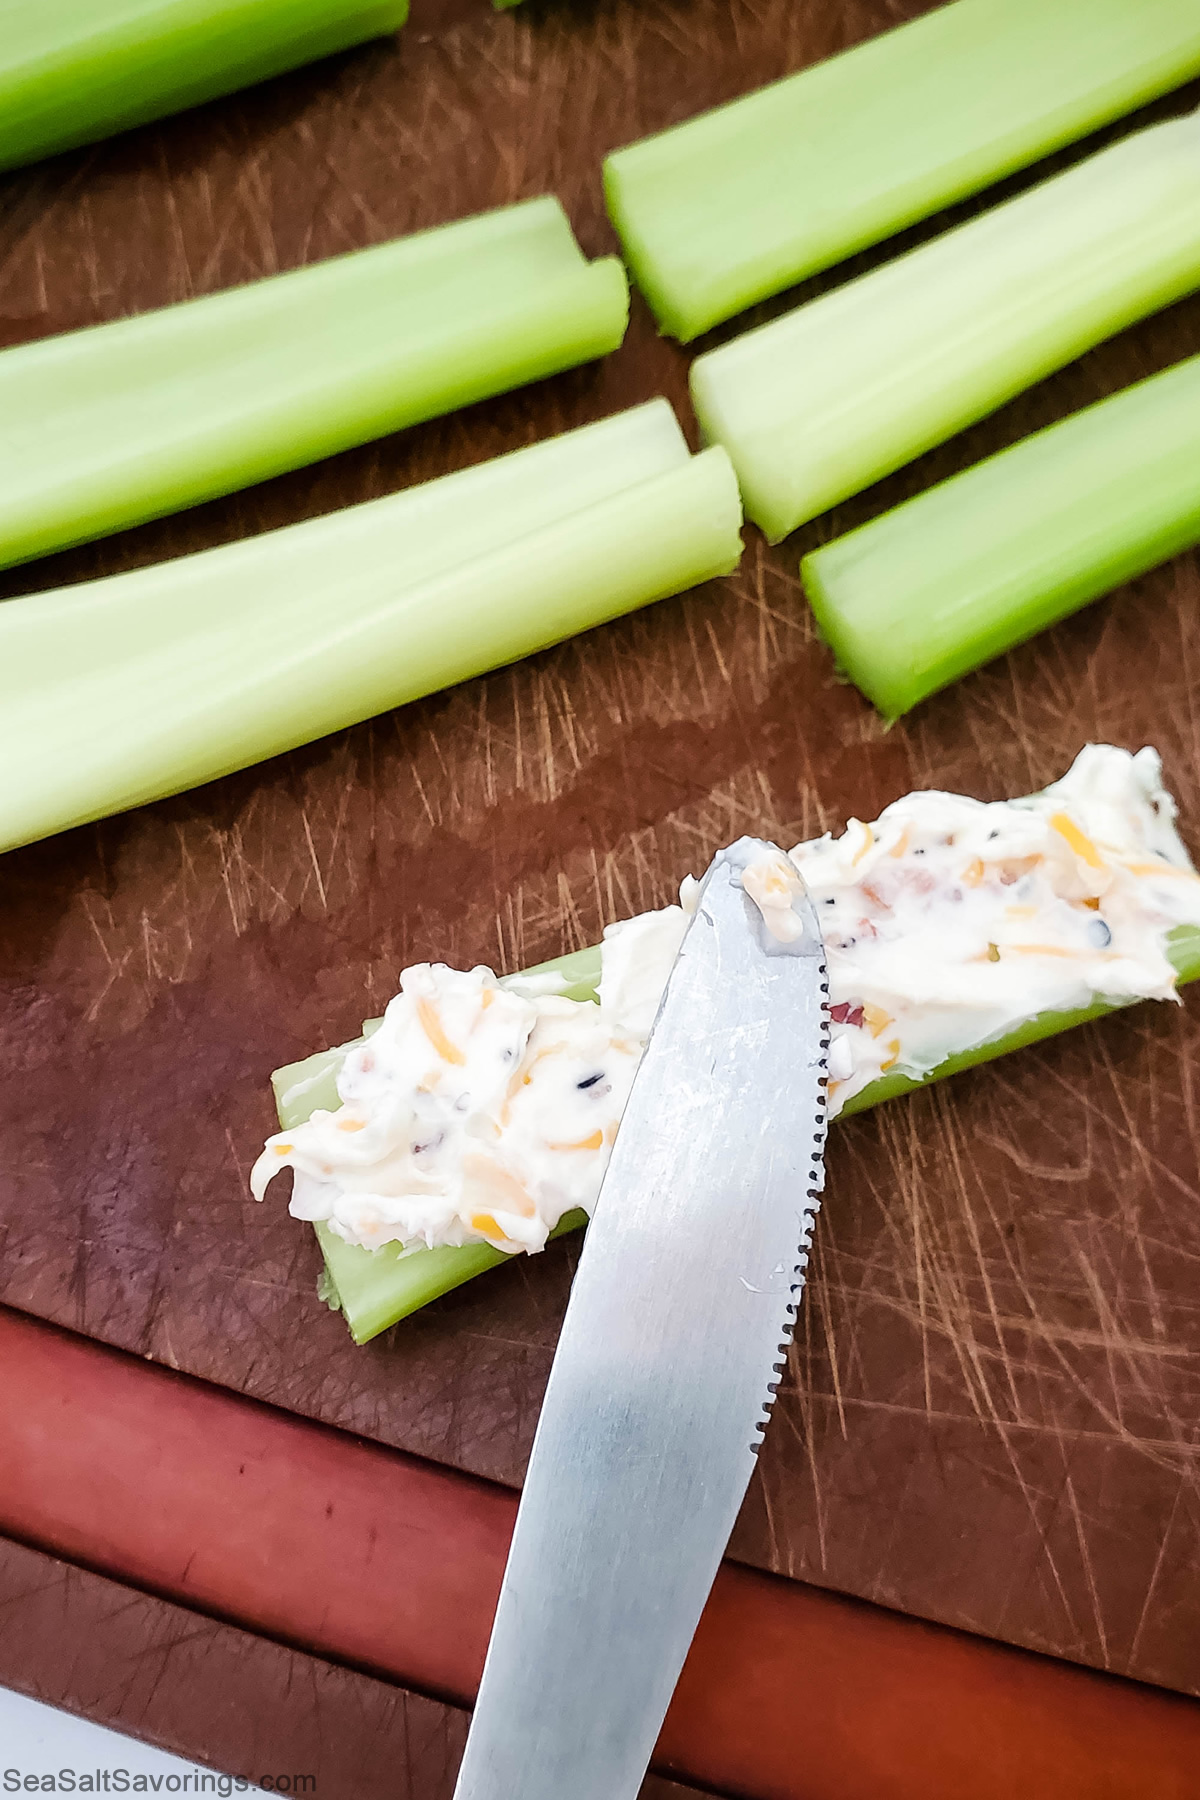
482 1111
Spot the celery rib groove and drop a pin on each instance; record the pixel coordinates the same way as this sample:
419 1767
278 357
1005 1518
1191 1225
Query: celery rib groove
125 690
741 202
834 395
962 572
109 426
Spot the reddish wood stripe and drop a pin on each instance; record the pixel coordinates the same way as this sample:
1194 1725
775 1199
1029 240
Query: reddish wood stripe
379 1560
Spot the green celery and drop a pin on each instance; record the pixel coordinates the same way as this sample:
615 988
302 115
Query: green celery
377 1288
72 71
121 691
827 399
126 421
964 571
739 203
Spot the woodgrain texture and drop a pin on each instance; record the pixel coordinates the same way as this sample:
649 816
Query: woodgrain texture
207 1691
991 1417
360 1556
238 1703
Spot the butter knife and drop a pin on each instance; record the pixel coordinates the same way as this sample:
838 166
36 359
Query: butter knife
670 1353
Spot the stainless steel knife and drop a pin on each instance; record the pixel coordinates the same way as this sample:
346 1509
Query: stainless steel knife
670 1353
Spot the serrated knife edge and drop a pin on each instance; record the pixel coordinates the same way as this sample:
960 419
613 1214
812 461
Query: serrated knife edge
671 1352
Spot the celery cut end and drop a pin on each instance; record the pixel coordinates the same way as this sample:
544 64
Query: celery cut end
118 692
927 592
93 440
829 398
742 201
378 1288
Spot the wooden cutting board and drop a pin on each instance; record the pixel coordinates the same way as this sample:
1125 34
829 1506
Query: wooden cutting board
991 1416
254 1710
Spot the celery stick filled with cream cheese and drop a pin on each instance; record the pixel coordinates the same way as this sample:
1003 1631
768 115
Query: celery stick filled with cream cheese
482 1111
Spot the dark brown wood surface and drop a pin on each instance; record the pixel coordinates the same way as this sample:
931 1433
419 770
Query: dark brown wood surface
235 1702
991 1417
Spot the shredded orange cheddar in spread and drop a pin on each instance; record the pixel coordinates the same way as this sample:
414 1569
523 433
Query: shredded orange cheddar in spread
877 1020
431 1025
1080 844
594 1142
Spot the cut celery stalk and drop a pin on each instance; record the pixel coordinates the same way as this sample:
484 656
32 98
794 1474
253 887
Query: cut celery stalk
124 690
822 402
377 1288
741 202
123 422
964 571
72 71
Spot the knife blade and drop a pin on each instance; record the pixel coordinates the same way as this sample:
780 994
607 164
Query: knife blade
670 1353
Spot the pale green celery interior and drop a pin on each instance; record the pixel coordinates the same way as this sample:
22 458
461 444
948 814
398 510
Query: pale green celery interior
116 692
932 589
123 422
740 202
834 395
377 1288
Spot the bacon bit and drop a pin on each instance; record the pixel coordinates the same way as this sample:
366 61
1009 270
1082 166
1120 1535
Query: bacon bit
877 1020
974 872
594 1142
366 1061
284 1149
1012 872
431 1025
846 1013
352 1124
875 898
893 1059
1081 845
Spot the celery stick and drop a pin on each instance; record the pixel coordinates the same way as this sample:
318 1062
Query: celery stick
377 1288
123 422
72 71
740 202
967 569
124 690
822 402
1183 950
